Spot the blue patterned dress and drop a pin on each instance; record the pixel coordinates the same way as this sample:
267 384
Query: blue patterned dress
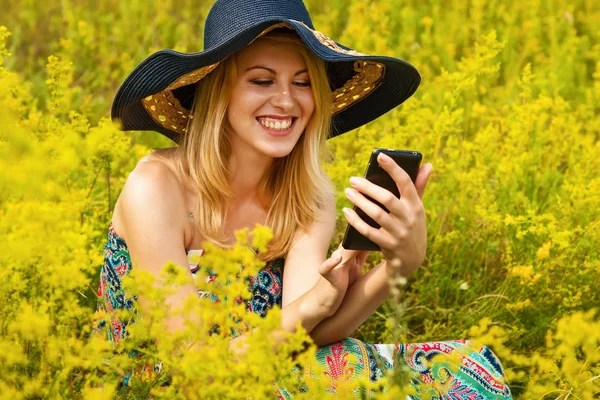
480 375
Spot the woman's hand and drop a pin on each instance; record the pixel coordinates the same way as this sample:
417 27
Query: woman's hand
403 235
354 261
337 273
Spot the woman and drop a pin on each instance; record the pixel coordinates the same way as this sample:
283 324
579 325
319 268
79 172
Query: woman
251 115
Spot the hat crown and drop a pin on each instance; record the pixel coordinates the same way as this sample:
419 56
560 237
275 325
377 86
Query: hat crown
228 18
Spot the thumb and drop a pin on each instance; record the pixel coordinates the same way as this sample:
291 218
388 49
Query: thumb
330 263
422 179
362 257
346 254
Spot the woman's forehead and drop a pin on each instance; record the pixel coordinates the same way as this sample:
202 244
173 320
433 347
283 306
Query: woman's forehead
270 54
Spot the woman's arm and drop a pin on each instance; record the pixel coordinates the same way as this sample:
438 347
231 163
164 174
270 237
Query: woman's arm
152 225
150 215
305 309
313 289
362 299
402 238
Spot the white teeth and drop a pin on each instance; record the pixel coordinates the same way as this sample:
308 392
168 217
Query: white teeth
275 124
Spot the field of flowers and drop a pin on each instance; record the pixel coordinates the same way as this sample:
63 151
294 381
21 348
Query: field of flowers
508 113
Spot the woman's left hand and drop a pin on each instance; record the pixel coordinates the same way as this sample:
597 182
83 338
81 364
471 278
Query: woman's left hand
403 235
355 260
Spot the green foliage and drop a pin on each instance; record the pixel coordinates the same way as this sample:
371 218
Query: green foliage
507 114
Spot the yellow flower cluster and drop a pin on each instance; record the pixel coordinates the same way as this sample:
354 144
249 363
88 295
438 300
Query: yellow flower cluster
507 113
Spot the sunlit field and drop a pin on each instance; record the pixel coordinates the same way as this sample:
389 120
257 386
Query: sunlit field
508 113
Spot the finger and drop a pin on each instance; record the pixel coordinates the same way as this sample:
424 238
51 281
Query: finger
330 263
376 192
376 235
422 178
361 257
405 184
378 214
379 194
355 273
346 254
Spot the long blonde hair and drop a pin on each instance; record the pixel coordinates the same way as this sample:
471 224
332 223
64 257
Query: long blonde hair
296 185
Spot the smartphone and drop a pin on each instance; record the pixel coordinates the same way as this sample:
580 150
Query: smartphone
409 161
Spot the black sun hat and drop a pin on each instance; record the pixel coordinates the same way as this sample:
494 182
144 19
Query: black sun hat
158 94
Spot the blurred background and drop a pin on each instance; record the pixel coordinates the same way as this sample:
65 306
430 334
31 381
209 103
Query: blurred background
507 113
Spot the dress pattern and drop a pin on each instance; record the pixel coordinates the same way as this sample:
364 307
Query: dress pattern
479 377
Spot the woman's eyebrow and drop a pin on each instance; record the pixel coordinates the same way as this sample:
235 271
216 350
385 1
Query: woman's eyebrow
273 71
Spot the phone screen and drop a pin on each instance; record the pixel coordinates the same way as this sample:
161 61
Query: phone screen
409 161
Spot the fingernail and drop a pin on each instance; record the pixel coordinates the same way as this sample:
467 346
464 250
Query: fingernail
383 158
346 211
350 192
354 181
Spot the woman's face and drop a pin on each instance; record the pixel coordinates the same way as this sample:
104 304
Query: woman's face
272 100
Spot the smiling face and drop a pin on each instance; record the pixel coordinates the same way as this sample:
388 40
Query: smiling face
272 100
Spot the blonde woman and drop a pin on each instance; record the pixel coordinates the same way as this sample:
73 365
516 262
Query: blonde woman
251 115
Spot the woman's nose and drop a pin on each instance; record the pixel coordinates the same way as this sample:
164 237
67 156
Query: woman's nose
283 99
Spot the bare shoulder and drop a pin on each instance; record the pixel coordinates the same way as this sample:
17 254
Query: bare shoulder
167 154
153 180
152 199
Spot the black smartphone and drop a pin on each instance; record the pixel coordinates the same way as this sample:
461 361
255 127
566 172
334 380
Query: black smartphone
409 161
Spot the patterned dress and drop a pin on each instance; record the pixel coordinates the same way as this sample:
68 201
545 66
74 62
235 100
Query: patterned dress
480 375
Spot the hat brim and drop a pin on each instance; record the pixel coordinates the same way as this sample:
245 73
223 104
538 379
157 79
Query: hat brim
159 71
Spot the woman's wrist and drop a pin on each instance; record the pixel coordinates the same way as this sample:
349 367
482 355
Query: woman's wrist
324 298
307 309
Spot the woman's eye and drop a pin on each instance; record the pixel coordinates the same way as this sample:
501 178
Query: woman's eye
266 83
261 83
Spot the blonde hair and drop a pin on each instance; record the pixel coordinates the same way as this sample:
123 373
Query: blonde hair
295 188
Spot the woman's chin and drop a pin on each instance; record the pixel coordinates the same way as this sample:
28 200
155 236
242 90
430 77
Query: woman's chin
277 151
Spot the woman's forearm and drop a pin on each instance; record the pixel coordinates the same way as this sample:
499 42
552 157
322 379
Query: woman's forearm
361 300
305 309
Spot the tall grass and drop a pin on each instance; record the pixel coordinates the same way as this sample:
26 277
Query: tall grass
507 114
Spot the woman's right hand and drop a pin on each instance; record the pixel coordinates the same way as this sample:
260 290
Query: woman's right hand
334 281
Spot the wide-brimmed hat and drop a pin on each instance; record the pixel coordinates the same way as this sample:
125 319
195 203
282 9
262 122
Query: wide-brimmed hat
158 94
